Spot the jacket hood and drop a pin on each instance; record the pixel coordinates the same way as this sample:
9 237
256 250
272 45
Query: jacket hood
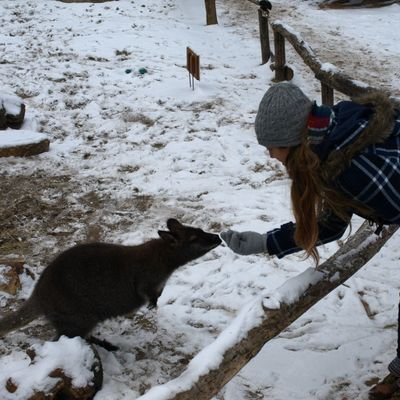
359 123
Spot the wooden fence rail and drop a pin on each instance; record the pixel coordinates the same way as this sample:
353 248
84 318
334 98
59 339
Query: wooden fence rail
330 77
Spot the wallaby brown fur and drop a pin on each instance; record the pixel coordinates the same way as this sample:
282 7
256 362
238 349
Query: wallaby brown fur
92 282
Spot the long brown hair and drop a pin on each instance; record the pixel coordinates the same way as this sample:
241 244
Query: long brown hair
302 166
313 190
311 195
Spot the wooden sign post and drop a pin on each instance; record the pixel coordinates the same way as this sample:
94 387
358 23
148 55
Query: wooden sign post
193 66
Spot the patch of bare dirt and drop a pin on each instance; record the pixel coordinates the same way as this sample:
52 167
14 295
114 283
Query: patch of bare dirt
43 214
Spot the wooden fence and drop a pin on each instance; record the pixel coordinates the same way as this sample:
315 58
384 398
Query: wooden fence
330 77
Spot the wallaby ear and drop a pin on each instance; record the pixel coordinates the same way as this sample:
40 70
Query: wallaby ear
167 236
173 224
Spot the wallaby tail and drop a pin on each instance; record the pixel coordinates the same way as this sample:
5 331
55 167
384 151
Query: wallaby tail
14 320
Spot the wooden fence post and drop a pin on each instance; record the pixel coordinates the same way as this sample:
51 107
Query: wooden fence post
211 12
264 35
327 95
280 57
282 71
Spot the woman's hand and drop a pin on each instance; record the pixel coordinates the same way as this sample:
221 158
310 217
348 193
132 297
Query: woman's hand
245 243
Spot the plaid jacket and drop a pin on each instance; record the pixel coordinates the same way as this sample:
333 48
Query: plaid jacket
372 177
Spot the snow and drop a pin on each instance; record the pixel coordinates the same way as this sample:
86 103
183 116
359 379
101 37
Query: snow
13 137
293 288
211 356
328 67
11 103
72 355
195 155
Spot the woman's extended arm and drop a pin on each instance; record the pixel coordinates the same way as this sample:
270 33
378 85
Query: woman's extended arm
280 241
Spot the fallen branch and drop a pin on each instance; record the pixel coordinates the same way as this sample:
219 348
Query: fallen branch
265 318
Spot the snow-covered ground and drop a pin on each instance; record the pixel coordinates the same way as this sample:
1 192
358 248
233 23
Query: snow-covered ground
149 147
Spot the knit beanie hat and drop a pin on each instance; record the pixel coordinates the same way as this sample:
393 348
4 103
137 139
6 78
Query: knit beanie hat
282 116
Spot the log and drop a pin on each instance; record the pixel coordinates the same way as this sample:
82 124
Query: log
19 143
26 150
14 262
272 314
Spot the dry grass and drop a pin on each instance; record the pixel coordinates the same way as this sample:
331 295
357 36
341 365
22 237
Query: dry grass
41 214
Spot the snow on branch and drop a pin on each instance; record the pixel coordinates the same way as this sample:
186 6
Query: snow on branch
263 319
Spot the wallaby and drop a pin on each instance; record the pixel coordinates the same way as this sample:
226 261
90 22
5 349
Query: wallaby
92 282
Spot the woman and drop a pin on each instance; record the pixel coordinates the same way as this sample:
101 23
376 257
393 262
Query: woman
341 160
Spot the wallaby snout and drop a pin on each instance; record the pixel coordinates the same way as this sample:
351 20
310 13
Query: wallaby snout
189 238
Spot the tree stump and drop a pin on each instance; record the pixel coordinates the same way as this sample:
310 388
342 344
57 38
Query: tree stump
22 143
12 111
16 120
